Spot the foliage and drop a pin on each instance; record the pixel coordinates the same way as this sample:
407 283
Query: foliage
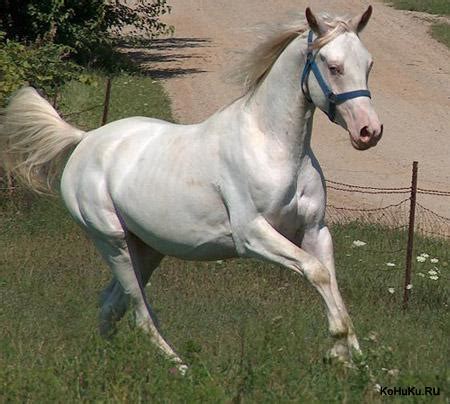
41 65
88 27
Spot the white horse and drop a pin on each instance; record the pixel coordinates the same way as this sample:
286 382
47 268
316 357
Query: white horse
243 183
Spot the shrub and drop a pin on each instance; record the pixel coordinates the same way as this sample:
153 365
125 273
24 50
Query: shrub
43 66
86 26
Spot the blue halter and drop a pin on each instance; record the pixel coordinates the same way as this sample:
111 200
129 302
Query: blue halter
333 99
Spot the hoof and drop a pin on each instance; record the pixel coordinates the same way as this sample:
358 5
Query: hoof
180 369
339 353
107 331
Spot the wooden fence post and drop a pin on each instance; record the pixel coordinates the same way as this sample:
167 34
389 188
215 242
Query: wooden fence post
106 103
55 98
409 249
9 184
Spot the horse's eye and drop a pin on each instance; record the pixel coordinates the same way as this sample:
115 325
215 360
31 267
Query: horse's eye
334 69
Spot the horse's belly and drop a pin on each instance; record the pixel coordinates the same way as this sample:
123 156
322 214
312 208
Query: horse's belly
189 222
181 239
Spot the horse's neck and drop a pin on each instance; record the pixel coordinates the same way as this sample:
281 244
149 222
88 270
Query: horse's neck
279 106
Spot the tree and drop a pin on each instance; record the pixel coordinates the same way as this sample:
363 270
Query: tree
86 26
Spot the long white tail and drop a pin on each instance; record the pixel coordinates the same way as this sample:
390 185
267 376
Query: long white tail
35 140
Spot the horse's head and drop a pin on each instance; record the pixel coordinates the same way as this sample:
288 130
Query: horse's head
339 83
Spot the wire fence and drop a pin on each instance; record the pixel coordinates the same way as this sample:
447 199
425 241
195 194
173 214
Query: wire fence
394 216
401 224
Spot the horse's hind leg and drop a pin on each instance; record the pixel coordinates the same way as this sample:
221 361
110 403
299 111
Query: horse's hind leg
113 300
114 304
122 256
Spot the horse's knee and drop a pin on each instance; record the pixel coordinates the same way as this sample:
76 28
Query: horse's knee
316 273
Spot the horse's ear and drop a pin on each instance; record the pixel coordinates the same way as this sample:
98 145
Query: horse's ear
315 23
359 22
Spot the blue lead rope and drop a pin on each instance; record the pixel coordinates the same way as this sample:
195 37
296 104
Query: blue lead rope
333 99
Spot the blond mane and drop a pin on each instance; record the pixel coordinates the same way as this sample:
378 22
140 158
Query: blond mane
252 71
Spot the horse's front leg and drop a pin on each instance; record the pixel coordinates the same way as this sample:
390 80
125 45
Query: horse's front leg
317 241
260 240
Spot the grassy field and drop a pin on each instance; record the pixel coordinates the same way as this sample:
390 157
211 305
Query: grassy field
441 32
131 95
252 332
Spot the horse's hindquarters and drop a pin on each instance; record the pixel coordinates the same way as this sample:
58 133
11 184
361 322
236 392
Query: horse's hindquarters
158 182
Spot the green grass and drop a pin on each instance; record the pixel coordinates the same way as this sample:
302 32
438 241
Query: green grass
131 95
428 6
440 32
251 332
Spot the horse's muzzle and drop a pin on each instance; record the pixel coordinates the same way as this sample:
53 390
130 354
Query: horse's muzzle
368 137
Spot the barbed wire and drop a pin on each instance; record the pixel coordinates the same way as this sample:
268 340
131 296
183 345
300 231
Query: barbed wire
432 192
361 191
369 209
386 189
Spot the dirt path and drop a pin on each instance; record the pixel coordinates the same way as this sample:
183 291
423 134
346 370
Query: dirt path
410 85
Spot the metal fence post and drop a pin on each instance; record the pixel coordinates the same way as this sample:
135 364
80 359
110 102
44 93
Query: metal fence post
409 249
106 103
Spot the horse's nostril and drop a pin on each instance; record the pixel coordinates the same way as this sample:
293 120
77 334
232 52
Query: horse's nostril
364 132
381 131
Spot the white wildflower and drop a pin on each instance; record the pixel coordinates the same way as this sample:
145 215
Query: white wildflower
420 258
424 255
390 264
391 290
409 286
434 277
432 272
421 274
377 387
359 243
393 372
434 260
